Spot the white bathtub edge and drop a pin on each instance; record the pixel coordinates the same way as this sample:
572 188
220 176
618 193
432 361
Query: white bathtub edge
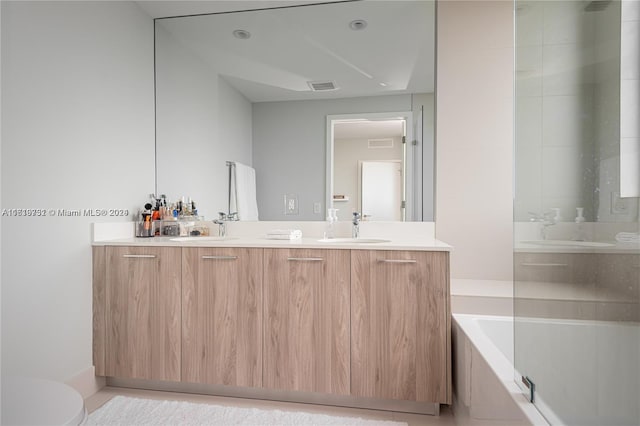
498 362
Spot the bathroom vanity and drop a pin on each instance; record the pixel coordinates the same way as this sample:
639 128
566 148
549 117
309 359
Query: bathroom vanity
364 325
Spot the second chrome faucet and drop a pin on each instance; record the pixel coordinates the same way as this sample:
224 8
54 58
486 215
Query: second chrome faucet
222 220
355 229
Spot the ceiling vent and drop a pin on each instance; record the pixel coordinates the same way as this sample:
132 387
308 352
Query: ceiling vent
380 143
322 86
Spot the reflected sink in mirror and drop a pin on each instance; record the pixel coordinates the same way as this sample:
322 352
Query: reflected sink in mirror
567 243
354 240
202 239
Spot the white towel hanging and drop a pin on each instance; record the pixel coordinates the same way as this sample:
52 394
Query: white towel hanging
242 192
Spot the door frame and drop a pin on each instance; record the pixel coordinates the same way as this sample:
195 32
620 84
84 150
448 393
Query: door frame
408 160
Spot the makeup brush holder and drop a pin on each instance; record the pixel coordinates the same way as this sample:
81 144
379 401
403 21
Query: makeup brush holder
144 229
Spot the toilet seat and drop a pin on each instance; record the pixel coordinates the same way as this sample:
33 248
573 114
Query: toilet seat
27 401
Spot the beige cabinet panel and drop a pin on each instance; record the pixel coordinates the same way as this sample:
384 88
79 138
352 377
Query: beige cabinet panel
222 316
99 309
143 312
307 320
400 325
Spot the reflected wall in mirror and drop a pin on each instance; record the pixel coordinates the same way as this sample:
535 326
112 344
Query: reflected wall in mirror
570 113
256 87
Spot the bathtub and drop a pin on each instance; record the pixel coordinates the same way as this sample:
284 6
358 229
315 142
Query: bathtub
485 392
597 380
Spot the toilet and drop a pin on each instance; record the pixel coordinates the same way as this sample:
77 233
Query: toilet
28 401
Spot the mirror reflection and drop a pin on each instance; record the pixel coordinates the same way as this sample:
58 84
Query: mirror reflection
572 156
261 87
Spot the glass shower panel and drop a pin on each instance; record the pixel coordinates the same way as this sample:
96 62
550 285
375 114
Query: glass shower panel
577 288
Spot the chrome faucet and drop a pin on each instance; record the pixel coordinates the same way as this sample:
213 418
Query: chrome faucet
355 229
545 219
221 221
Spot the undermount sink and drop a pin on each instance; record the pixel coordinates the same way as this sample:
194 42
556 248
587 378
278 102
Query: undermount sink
203 239
566 243
354 240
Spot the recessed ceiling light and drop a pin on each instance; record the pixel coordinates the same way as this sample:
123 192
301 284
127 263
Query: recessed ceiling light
358 24
242 34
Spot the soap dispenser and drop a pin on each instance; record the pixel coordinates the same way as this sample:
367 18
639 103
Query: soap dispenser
332 218
579 232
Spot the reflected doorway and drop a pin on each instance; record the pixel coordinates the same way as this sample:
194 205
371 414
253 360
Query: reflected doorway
369 167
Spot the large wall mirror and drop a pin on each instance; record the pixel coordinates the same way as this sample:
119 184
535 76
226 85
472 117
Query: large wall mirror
325 101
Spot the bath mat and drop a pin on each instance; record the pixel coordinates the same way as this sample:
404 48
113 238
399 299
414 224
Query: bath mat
123 410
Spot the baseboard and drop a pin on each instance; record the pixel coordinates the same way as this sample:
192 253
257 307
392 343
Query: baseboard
86 382
280 395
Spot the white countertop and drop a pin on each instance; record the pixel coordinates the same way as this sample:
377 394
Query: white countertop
418 236
426 244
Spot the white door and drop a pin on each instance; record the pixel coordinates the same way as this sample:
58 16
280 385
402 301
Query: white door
382 190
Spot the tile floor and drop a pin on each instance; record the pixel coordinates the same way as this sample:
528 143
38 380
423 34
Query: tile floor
105 394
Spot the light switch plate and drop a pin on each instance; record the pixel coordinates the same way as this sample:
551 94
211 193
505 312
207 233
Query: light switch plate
290 204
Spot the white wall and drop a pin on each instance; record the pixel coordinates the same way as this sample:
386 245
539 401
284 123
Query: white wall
474 137
289 149
202 122
77 115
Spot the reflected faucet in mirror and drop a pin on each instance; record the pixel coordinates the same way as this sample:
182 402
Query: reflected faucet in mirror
222 220
546 219
355 229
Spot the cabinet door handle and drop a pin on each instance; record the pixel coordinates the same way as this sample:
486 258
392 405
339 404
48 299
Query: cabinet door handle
561 265
220 257
397 261
140 256
305 259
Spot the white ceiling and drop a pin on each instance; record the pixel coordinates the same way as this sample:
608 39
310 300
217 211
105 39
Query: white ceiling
170 8
294 45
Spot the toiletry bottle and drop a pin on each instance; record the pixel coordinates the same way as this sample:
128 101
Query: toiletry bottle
332 218
579 233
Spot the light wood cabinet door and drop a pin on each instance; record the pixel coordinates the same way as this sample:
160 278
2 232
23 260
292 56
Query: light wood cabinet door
400 322
143 312
307 320
99 309
222 316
